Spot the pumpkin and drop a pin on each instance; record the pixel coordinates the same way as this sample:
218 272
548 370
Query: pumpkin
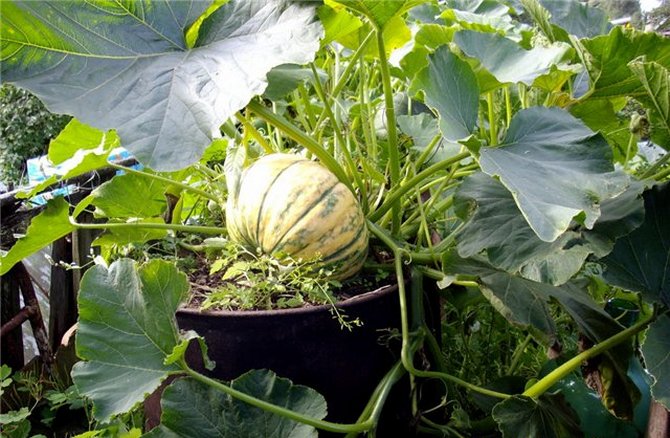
288 206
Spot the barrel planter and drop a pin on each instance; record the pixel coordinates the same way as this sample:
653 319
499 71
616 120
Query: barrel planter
306 345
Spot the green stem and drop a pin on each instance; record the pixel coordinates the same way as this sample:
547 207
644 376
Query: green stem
327 107
278 410
353 60
629 148
300 137
522 95
180 184
569 366
251 129
517 355
229 129
435 351
493 128
393 153
657 165
373 409
508 106
346 74
150 225
660 175
407 350
343 146
307 105
394 195
427 151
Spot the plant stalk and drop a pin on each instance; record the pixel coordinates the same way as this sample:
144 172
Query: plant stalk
278 410
393 153
394 195
657 165
150 225
300 137
374 407
544 384
254 133
407 351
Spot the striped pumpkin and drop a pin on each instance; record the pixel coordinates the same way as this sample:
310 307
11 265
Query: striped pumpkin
286 205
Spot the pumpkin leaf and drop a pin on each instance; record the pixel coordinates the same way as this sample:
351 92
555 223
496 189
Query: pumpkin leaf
191 409
491 23
422 128
547 417
640 261
126 66
127 329
603 116
556 169
380 13
45 228
610 55
495 225
656 82
525 302
286 77
450 88
79 136
577 18
337 22
506 60
77 149
655 351
129 196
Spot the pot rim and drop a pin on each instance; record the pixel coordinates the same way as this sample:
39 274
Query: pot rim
344 304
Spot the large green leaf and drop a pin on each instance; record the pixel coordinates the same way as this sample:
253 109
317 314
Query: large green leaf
78 136
577 18
129 196
191 409
556 169
525 303
506 59
45 228
548 417
380 12
126 65
495 225
655 80
422 128
610 54
640 260
605 116
595 420
337 23
77 149
494 22
450 88
657 359
127 328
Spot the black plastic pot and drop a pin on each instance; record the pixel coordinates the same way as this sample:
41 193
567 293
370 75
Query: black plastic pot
306 345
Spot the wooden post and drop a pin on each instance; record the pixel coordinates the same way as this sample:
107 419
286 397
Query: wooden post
12 343
659 421
62 299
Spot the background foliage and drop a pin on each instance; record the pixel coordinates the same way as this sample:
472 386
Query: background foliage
26 127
